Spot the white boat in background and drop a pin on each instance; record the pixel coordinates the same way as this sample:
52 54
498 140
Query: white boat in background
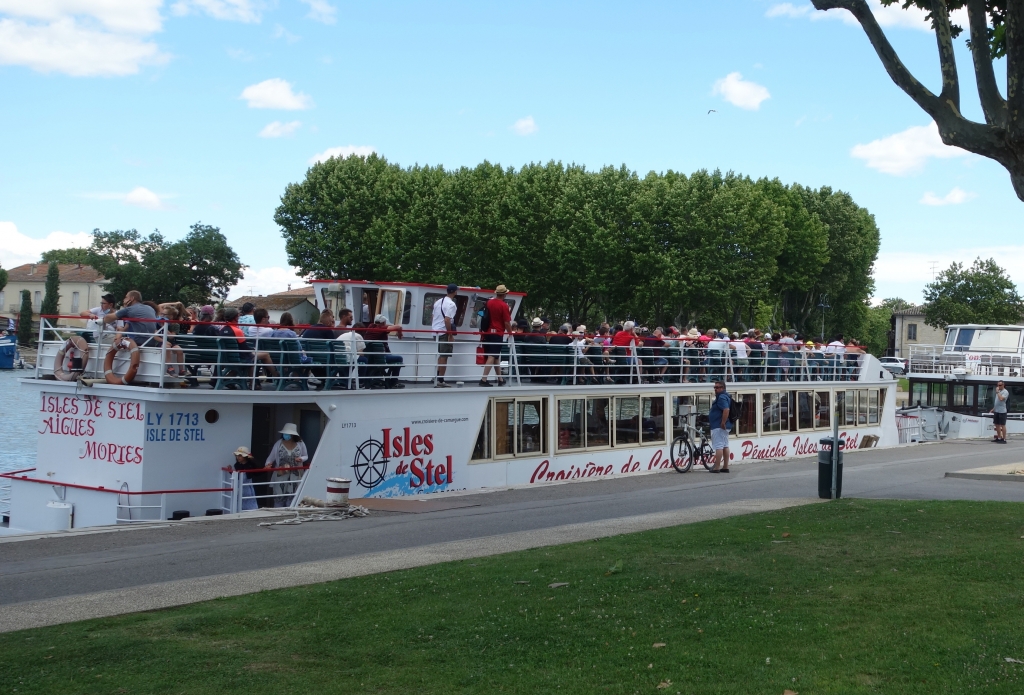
123 454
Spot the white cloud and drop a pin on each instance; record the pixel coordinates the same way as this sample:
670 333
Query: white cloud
277 129
954 197
265 281
739 92
281 33
525 126
321 11
275 94
906 152
888 16
342 152
78 37
905 273
230 10
17 249
139 197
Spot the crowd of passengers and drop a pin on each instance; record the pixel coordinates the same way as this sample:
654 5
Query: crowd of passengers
599 356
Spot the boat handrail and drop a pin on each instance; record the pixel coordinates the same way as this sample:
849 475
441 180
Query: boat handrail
934 360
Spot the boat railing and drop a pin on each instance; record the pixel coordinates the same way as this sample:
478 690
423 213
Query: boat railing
272 487
249 357
5 490
934 359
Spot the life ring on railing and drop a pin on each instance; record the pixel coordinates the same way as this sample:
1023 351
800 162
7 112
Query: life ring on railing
133 367
75 342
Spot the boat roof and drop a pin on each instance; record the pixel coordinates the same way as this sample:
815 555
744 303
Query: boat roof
390 283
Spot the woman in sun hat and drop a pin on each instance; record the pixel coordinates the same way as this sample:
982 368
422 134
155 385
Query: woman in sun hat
289 452
245 462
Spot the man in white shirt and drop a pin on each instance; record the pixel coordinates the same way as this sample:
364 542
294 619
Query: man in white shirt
834 352
443 323
740 361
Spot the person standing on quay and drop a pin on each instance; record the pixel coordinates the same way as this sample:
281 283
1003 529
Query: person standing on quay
499 323
719 420
999 413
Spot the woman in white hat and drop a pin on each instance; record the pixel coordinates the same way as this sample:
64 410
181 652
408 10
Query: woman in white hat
288 452
245 462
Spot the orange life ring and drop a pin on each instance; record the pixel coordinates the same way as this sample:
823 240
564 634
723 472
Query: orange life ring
75 342
133 367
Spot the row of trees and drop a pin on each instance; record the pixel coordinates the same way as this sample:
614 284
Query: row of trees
708 248
193 270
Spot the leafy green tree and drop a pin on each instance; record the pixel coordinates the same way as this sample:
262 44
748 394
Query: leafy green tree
70 256
3 279
996 30
25 333
51 296
192 270
983 293
879 324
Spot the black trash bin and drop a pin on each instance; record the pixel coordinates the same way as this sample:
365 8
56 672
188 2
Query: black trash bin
825 469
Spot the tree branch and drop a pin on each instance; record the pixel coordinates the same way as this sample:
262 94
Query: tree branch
947 59
899 73
1015 69
992 102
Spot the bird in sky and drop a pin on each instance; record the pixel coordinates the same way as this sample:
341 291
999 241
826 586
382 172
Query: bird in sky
712 111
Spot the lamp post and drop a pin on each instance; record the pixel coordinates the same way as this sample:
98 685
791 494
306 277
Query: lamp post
823 307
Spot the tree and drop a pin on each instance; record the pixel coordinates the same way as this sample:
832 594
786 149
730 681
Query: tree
193 270
996 29
879 324
51 296
25 319
71 256
3 280
983 293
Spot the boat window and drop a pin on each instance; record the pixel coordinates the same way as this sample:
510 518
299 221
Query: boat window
504 428
368 302
995 339
598 429
950 338
919 393
986 396
937 397
530 427
959 394
771 416
429 299
474 316
747 424
388 305
682 406
805 410
407 311
627 421
822 412
652 419
873 407
482 450
963 339
841 407
460 309
570 424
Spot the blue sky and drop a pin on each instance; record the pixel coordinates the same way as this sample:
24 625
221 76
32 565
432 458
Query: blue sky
151 114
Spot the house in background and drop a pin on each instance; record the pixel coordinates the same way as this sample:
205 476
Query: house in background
907 327
80 288
298 302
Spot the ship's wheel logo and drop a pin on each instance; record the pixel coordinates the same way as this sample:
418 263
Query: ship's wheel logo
370 465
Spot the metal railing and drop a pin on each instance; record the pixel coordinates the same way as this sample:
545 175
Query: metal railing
279 359
242 494
5 489
935 359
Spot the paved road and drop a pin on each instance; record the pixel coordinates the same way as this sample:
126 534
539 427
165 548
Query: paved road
66 566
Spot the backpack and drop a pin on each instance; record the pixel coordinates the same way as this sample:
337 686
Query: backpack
735 409
485 320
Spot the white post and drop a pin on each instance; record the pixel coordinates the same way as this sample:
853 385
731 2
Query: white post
835 444
163 355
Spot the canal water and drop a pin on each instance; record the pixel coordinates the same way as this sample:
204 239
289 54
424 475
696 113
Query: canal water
18 421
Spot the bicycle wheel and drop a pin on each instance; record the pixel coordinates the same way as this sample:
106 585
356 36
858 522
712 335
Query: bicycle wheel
682 454
704 453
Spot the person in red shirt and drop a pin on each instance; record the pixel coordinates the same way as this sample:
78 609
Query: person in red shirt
500 323
626 338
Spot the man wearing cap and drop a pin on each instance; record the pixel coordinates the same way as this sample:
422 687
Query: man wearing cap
205 327
443 325
499 322
377 342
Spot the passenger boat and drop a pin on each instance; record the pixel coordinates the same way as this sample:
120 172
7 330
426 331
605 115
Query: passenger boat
956 381
110 453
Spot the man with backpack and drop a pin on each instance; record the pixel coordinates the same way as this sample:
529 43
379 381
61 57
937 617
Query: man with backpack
443 325
721 423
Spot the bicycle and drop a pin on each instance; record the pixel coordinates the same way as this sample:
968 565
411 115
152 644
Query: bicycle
692 444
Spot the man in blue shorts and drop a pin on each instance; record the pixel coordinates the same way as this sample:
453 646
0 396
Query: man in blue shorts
719 418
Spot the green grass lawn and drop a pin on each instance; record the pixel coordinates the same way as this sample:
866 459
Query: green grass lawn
903 385
847 597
